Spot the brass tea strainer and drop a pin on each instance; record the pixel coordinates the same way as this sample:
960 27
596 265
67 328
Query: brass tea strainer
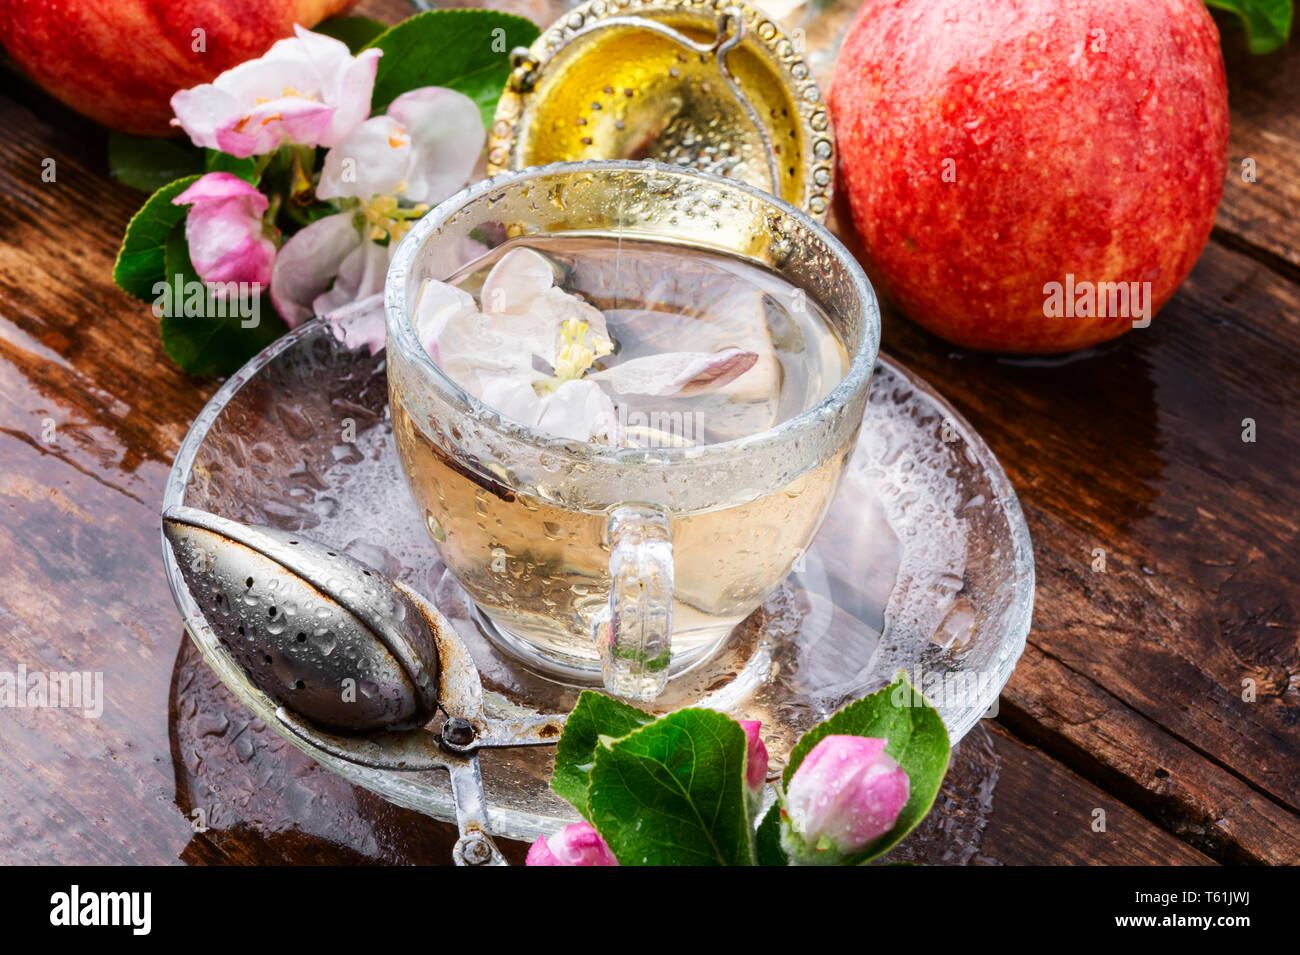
708 84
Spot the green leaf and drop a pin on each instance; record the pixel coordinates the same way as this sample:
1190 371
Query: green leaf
594 716
916 738
1267 22
150 164
768 839
673 792
247 169
141 259
356 32
466 50
209 338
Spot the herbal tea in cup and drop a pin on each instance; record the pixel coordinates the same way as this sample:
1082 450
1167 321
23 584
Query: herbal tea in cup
624 417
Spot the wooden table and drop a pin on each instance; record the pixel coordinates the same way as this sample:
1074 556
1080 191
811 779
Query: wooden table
1130 697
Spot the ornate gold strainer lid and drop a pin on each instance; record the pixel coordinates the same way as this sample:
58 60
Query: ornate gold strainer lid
710 84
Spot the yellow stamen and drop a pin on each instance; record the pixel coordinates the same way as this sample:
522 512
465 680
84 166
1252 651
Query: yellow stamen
386 218
575 354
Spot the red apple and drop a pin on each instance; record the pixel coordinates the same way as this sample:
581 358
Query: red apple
119 61
1003 157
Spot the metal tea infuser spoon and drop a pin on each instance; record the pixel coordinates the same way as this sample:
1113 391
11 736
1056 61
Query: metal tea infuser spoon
358 663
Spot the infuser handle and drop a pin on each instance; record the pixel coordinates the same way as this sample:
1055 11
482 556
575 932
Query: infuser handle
474 847
634 632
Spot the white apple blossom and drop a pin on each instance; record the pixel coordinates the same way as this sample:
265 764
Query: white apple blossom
527 347
309 262
423 149
334 269
307 89
420 152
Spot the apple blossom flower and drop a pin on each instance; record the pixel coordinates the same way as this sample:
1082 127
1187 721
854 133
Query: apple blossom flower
423 149
677 373
307 89
227 237
360 324
527 348
334 269
576 844
846 794
311 261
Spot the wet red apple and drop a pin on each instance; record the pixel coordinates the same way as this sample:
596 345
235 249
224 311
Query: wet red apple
119 61
1031 175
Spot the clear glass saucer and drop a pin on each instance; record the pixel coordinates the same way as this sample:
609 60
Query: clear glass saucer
923 564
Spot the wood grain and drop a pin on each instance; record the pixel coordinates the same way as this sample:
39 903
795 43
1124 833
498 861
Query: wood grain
1262 188
1157 774
1057 816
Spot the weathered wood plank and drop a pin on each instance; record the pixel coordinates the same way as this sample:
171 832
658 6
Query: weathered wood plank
1104 740
1264 144
1055 814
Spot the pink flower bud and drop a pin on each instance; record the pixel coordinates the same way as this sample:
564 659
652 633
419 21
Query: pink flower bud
846 794
577 844
224 229
756 758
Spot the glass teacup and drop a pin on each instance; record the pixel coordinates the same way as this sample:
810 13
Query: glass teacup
622 565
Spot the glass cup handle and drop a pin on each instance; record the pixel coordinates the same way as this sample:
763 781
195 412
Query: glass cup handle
634 632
